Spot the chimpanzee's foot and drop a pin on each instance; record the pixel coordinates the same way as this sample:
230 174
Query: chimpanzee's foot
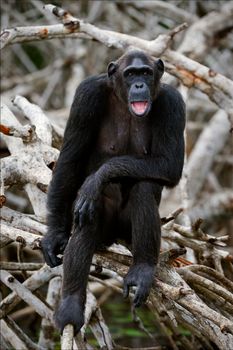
141 276
69 312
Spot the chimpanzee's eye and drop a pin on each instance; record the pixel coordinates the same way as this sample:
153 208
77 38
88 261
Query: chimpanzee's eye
145 73
129 73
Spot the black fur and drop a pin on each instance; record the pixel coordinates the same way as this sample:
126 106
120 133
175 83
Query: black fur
112 167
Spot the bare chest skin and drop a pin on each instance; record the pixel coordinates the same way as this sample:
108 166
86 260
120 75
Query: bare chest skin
123 134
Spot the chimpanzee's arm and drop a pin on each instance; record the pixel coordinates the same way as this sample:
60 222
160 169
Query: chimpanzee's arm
69 173
165 163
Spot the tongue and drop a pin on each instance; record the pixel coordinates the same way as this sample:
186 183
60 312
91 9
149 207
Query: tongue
139 107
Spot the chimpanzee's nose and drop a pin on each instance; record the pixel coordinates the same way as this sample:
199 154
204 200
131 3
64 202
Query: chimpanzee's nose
139 85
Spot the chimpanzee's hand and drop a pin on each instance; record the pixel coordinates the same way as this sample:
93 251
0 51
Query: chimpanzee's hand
53 245
87 202
141 276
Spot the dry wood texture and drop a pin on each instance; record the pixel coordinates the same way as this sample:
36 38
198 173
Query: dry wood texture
38 84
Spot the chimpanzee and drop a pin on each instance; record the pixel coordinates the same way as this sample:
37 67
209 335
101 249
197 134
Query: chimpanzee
123 143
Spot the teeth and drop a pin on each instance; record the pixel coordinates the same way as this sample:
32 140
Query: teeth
139 107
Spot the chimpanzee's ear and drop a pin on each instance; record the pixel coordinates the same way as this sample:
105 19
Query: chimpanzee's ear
159 65
112 67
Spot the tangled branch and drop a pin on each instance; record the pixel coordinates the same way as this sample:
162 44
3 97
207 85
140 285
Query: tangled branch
196 296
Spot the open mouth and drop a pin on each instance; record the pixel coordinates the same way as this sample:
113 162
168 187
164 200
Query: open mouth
139 107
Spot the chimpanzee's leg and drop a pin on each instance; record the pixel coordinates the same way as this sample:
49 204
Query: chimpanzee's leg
78 256
146 234
76 265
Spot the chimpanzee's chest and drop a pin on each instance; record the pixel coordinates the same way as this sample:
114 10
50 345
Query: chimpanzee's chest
122 135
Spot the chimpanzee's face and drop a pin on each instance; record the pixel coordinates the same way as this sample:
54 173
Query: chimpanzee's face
136 77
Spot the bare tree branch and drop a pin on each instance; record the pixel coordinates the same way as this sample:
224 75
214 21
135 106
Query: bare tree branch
191 73
196 297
